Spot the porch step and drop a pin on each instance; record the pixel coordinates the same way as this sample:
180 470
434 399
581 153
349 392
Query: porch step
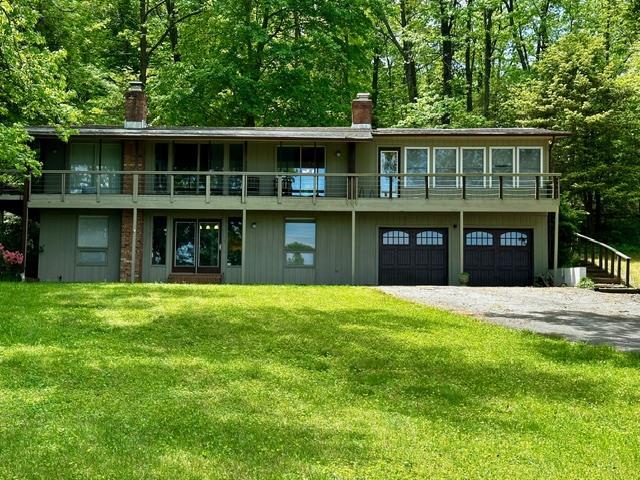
199 278
616 289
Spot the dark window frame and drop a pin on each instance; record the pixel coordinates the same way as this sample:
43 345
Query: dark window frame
288 250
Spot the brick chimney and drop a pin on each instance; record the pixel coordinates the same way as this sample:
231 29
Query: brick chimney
135 106
362 111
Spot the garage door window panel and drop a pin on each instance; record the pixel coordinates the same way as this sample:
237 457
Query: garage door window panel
429 237
514 239
479 239
395 237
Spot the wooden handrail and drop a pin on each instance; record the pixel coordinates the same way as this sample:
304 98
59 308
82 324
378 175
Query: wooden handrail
603 245
602 249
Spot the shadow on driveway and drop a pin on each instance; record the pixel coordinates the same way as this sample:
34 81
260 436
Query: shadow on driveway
571 313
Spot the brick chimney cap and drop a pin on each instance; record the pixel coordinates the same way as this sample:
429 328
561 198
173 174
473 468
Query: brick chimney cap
136 86
363 96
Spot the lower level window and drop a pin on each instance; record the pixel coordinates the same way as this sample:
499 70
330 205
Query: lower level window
300 243
159 241
234 242
93 240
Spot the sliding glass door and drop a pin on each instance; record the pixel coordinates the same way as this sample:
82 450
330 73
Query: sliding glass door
196 246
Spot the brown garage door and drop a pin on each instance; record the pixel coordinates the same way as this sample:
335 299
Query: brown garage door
413 256
499 257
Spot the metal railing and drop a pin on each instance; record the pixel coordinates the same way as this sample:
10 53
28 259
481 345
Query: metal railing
301 185
606 258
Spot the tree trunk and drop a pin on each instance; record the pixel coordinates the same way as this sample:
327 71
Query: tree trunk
543 31
143 47
468 59
598 213
375 80
446 27
488 61
516 33
410 75
172 27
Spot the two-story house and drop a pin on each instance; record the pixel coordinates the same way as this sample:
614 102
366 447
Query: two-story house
354 205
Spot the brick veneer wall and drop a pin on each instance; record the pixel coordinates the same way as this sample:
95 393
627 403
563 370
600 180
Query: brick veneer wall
133 159
125 246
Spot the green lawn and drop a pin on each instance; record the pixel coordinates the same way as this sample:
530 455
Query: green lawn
117 381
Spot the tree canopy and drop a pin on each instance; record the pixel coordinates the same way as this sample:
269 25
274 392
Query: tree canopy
566 64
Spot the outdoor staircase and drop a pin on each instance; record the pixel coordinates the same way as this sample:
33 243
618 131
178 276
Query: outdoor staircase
605 266
199 278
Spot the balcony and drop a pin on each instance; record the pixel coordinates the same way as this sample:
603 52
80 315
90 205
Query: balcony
295 191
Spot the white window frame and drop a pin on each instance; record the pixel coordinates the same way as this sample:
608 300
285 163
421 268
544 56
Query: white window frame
484 162
513 169
404 166
435 172
533 147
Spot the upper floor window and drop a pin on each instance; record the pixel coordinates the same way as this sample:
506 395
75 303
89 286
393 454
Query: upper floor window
92 157
473 162
529 161
445 160
503 161
416 161
309 161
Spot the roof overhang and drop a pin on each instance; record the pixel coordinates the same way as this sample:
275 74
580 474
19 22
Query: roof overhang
345 134
469 132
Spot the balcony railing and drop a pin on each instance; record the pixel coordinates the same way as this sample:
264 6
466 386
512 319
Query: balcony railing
297 185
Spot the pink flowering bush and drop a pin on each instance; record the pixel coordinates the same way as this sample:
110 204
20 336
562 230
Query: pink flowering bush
9 263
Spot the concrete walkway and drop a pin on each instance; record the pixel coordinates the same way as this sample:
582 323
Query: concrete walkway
572 313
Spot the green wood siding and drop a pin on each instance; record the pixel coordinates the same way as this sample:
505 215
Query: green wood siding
58 240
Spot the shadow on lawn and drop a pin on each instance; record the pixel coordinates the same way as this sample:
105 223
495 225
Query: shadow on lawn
271 383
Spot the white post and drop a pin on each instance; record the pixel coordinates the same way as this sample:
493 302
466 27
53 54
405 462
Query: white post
461 228
243 256
353 247
134 231
556 239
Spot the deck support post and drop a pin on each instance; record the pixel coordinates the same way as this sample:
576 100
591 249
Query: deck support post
25 226
243 256
134 238
556 238
461 232
353 247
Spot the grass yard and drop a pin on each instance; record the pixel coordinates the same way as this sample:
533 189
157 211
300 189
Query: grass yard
157 381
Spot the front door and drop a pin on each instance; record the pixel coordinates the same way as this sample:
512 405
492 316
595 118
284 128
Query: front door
196 246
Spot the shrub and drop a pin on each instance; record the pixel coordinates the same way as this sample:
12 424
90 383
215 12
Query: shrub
10 263
586 283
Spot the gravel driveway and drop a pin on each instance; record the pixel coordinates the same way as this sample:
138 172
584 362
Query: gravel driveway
572 313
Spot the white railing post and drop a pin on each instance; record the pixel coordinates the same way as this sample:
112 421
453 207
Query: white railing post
171 187
207 186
